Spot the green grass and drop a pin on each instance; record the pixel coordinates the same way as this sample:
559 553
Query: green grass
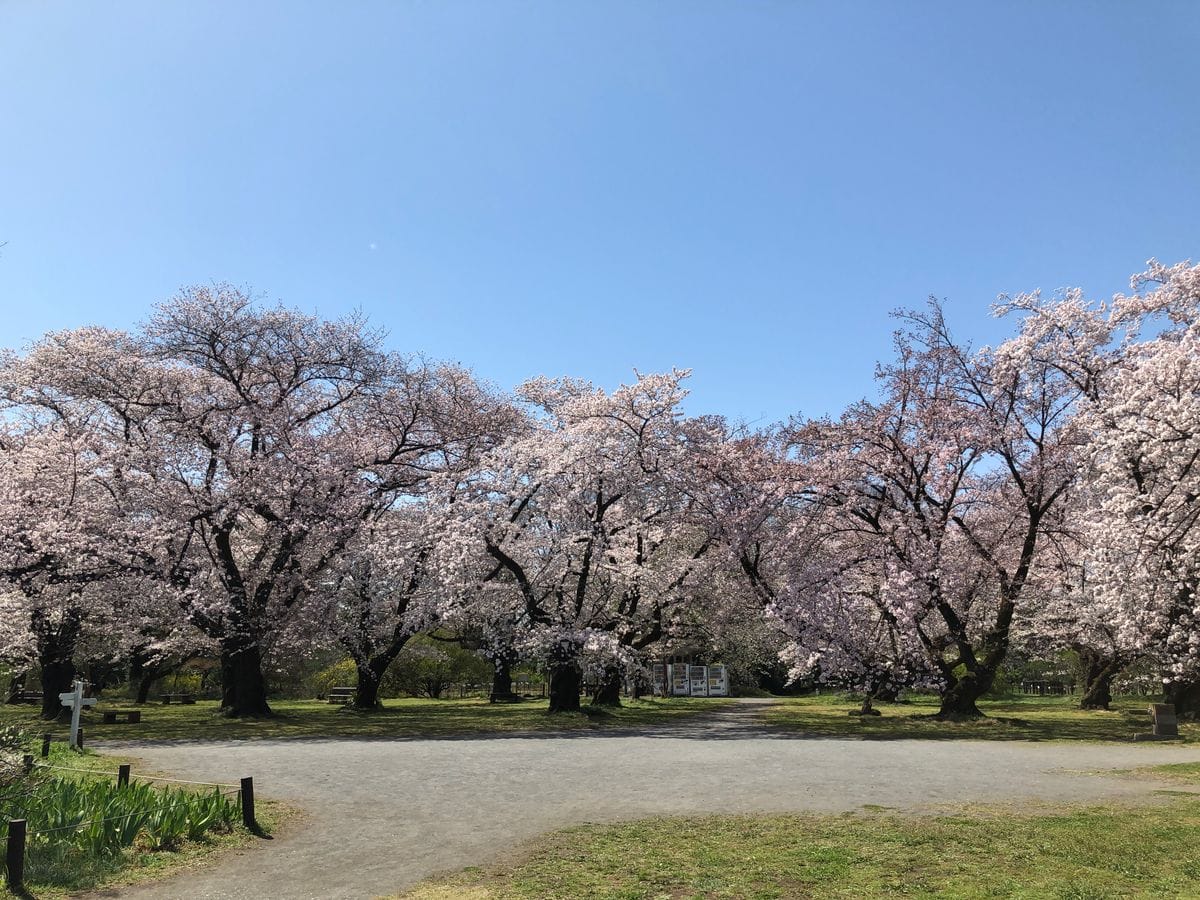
62 867
1079 854
140 864
398 719
1017 719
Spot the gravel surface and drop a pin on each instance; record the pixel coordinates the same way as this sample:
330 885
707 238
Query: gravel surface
381 815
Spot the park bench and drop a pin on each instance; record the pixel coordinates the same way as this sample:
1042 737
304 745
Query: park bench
34 697
113 716
341 695
186 699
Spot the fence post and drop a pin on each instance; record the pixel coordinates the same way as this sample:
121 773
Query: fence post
248 804
45 745
27 763
14 855
123 776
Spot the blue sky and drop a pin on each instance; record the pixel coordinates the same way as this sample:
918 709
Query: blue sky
743 188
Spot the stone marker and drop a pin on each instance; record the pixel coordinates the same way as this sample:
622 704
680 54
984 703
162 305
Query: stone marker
1166 726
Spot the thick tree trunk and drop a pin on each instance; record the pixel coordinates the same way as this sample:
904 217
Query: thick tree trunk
867 708
960 696
145 683
565 683
1185 695
502 666
608 692
366 690
57 677
56 644
243 687
889 694
1099 670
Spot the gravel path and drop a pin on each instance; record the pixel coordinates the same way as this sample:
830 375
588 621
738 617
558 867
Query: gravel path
384 814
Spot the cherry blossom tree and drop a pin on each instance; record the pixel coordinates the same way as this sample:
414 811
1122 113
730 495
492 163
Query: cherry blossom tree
254 443
954 475
582 531
1144 536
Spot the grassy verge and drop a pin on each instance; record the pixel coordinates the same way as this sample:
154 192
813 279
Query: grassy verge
166 828
1018 719
1079 854
139 865
397 719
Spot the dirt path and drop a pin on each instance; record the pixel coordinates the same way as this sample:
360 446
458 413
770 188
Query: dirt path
383 814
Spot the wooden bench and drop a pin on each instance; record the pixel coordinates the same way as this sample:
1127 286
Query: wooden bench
34 697
341 695
185 699
113 716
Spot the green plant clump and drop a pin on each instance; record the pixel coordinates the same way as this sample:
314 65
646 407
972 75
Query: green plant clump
78 829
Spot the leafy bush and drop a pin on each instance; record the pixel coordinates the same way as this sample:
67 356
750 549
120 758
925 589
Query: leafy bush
341 674
427 667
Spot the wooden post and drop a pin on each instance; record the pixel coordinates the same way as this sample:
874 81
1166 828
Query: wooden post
248 804
27 763
123 776
14 855
45 745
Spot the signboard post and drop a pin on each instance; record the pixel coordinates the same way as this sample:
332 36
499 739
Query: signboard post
75 701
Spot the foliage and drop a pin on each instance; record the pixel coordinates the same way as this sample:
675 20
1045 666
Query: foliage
338 674
75 823
265 488
427 667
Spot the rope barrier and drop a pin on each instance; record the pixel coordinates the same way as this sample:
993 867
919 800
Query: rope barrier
181 781
99 772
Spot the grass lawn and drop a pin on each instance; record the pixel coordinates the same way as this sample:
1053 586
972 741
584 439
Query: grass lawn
1018 719
398 719
1082 854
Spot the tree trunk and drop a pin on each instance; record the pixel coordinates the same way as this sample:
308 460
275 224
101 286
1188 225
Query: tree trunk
867 708
502 666
608 692
565 682
366 690
243 687
145 683
889 694
1185 695
960 696
1099 670
56 657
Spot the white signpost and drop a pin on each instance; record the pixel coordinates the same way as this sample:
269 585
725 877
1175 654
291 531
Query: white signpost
75 701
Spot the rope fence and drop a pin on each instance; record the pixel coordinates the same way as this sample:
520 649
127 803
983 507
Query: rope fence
18 833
